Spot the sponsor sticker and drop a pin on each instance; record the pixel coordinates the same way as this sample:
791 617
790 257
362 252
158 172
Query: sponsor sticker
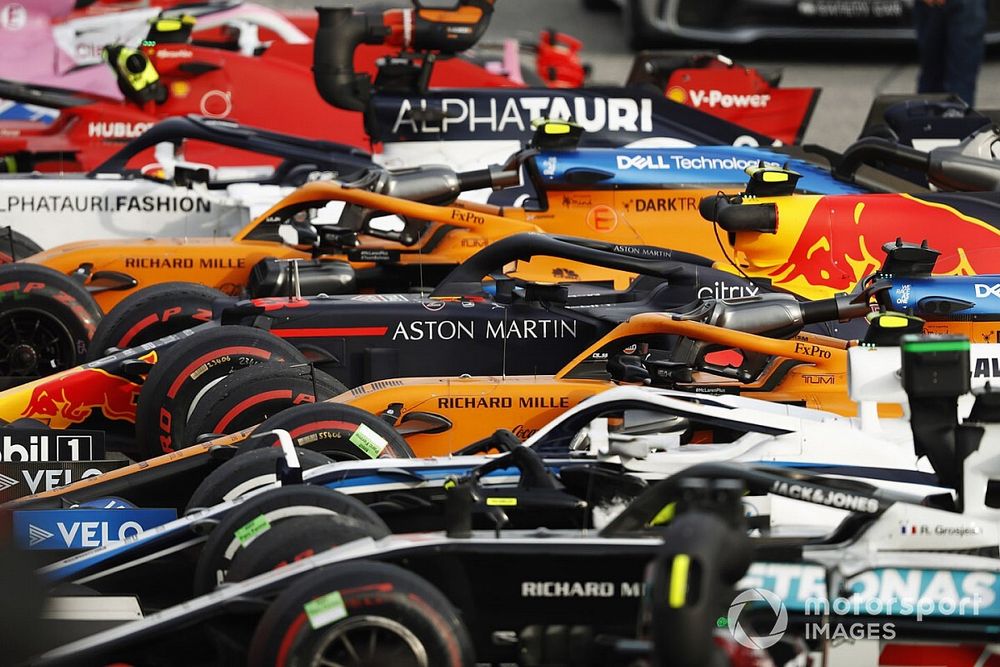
501 502
984 291
376 255
79 529
325 610
368 441
249 531
28 477
602 219
42 445
13 17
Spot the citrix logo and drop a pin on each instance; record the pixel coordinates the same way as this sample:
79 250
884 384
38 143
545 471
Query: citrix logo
983 291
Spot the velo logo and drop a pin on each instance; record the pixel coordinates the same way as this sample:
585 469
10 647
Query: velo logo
983 291
745 634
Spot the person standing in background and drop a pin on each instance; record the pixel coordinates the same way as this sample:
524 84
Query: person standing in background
950 37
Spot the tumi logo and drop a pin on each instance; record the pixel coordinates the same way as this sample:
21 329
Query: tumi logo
984 291
116 130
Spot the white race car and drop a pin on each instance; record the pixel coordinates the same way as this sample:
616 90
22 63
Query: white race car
166 195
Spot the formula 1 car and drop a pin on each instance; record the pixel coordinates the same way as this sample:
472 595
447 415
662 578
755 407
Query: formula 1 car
149 189
827 244
679 350
175 403
594 582
354 253
623 439
181 77
650 24
57 46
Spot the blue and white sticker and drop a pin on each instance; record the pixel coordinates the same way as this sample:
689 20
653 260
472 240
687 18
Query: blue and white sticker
79 529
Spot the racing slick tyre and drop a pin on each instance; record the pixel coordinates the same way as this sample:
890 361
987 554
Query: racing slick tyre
151 313
296 539
251 395
240 527
46 322
15 246
187 370
340 432
242 474
285 543
331 615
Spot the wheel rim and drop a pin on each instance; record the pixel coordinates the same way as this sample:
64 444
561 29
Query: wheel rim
34 344
369 641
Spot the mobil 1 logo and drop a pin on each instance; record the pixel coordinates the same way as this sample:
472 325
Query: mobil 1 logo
20 445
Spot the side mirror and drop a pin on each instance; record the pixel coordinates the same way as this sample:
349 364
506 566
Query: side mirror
299 234
628 369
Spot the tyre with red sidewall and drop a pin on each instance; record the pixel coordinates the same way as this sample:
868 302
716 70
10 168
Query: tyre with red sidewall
306 624
187 369
153 312
295 539
251 395
259 514
329 427
47 320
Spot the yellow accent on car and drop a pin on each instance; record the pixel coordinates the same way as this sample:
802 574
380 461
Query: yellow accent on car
679 580
501 502
172 24
664 515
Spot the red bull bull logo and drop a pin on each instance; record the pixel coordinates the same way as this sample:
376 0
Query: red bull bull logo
842 239
71 397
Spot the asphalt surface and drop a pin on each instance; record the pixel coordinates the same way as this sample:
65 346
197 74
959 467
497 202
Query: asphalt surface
851 75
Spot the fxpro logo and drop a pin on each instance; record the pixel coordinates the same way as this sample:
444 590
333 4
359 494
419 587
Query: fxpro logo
984 291
116 130
718 99
641 162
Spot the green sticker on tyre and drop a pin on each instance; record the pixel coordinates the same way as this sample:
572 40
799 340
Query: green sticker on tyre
325 610
368 441
251 530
